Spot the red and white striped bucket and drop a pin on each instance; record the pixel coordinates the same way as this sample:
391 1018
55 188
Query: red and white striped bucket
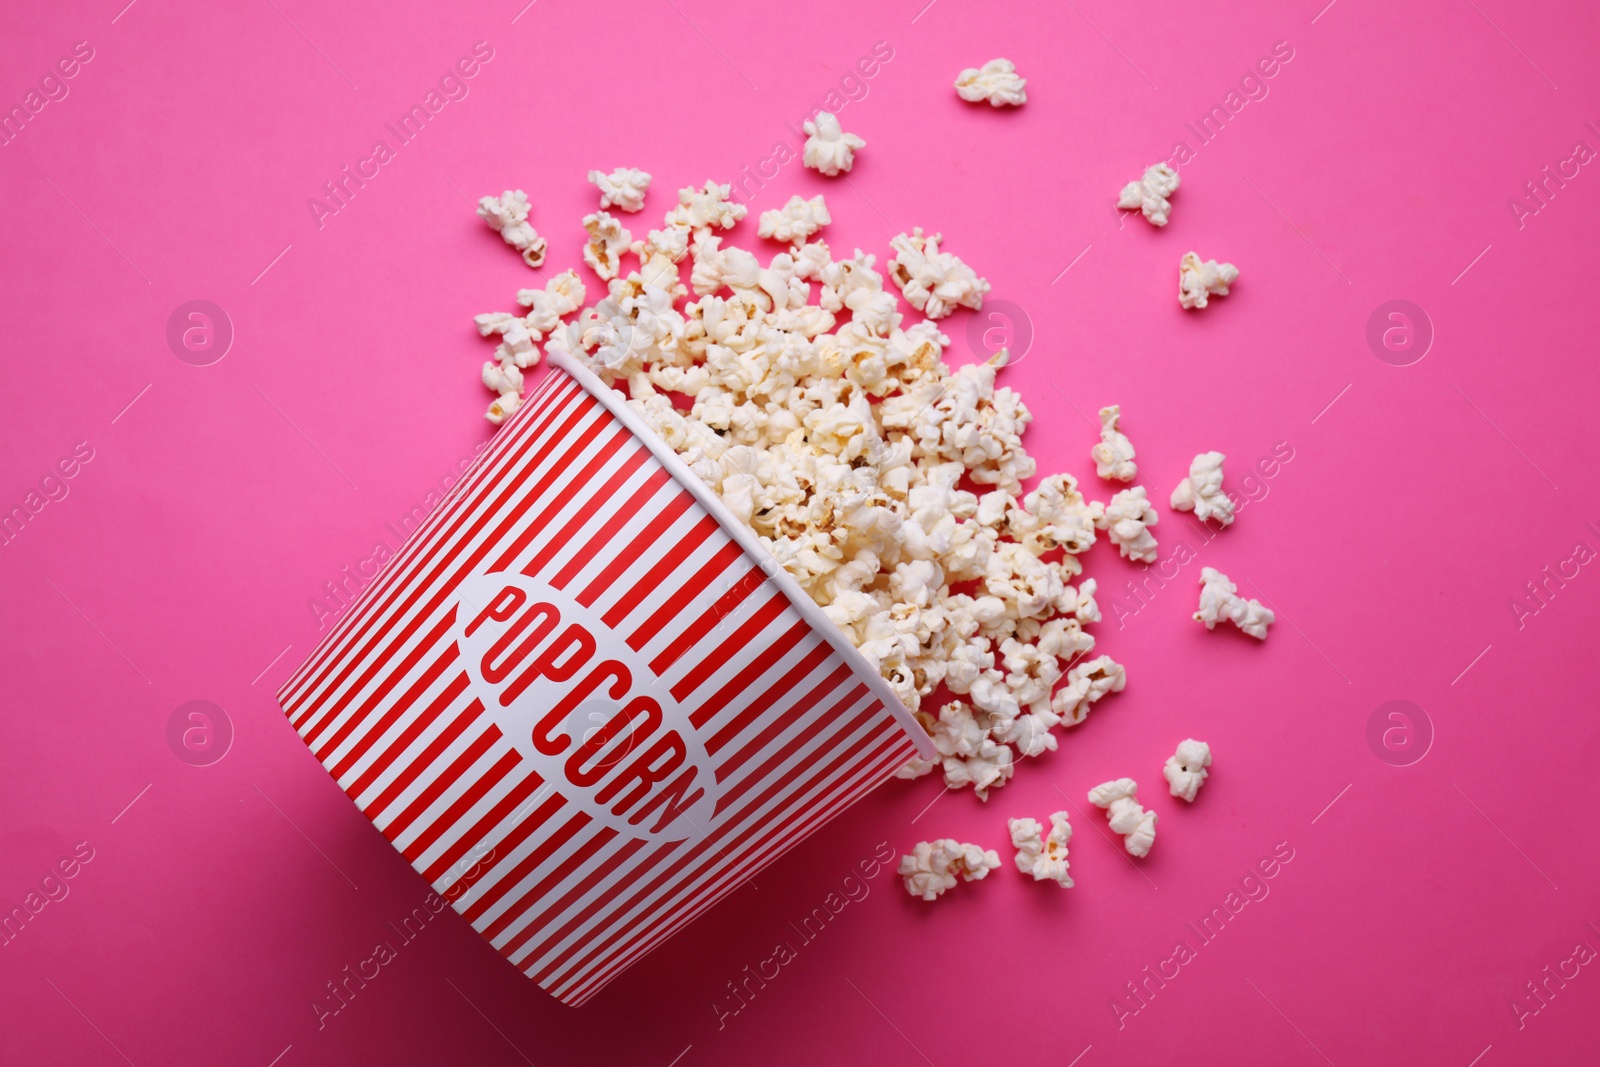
584 701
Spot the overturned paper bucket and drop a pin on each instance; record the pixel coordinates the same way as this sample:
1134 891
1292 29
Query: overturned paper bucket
584 701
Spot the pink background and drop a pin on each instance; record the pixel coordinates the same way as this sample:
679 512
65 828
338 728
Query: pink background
182 563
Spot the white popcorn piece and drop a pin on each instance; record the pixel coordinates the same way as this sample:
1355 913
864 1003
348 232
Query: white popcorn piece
707 209
507 214
1087 684
1220 602
1113 456
828 149
1148 195
502 378
1044 857
623 188
607 241
1125 815
504 406
796 221
1185 770
1198 282
560 297
996 82
932 866
1202 493
934 282
1128 518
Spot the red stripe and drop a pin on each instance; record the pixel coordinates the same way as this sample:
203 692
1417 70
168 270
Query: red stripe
529 863
398 583
423 760
741 682
725 605
294 690
441 784
736 643
658 574
591 505
535 821
555 909
630 552
452 815
692 586
481 829
415 729
601 538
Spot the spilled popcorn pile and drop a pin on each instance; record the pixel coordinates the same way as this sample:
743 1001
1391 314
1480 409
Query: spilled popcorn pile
886 484
889 486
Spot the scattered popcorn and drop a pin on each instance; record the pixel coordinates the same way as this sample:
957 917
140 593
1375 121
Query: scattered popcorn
1045 858
1125 815
1113 456
519 336
796 221
1128 519
607 241
1220 602
623 188
507 214
1149 194
996 81
1202 491
1185 770
828 149
934 282
933 865
1198 282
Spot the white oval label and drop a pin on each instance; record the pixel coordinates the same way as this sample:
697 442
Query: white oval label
583 708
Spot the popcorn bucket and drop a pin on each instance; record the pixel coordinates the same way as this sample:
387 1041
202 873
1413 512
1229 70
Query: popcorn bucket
584 701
